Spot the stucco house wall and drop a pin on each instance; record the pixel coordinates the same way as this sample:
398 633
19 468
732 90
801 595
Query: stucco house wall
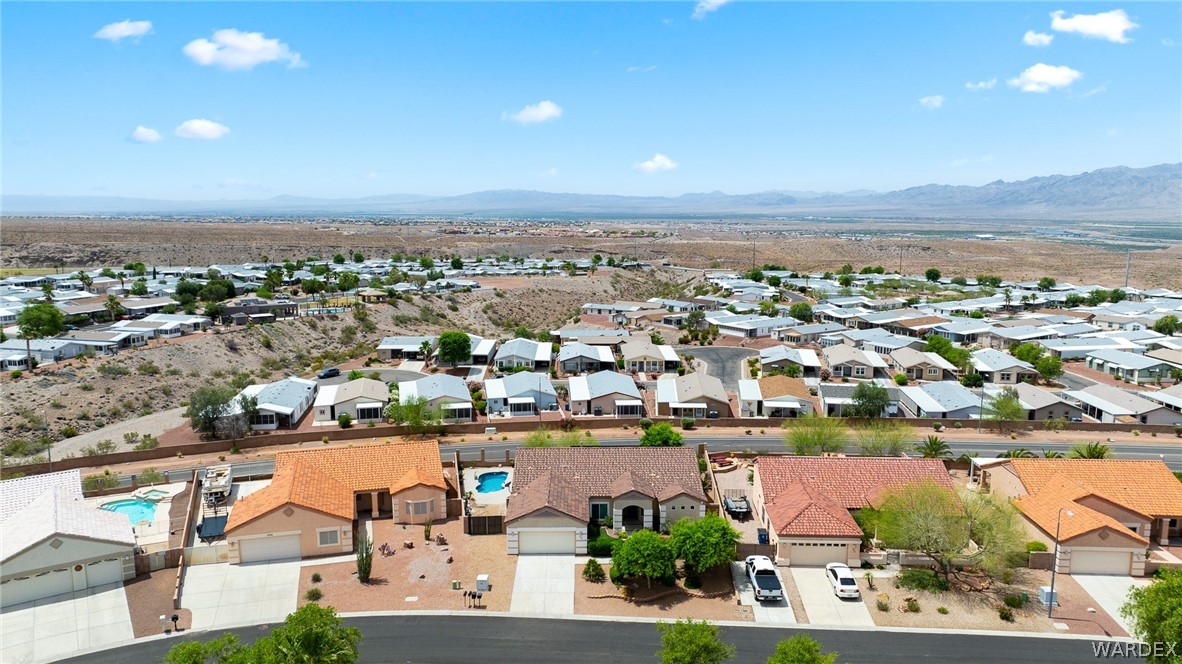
304 521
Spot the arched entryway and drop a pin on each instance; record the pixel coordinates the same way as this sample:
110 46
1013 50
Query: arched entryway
633 517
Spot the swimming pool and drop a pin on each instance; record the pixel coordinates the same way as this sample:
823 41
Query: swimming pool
491 482
136 510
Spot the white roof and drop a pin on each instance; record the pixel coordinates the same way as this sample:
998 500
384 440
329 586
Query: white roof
600 383
749 390
60 511
988 359
782 404
19 492
521 399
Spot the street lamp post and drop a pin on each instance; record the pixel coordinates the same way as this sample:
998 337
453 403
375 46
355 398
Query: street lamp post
1055 560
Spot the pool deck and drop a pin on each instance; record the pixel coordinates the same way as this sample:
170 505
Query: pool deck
154 533
491 497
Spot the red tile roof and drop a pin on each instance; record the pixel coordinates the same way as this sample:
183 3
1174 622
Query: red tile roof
1060 494
802 510
1147 487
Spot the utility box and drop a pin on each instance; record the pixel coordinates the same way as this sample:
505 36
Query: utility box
490 430
482 584
1047 597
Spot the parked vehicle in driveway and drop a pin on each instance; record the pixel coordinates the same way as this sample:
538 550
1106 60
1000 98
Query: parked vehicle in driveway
841 578
764 579
331 372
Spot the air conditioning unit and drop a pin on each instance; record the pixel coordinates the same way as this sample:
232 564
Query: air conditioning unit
1046 597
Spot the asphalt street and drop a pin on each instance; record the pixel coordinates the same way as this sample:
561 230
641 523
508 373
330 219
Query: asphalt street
504 640
1072 381
388 376
722 362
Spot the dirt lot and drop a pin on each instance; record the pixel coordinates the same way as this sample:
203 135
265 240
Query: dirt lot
978 610
677 605
421 572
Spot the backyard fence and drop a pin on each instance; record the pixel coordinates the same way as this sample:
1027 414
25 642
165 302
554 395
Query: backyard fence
484 525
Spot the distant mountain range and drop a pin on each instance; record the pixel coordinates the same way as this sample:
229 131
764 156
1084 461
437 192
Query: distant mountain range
1152 193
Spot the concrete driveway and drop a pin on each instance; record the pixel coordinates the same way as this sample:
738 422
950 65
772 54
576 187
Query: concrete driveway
225 595
544 585
1110 592
387 376
54 628
764 612
822 606
723 362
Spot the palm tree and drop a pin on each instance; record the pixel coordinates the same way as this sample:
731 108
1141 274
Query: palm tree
933 447
121 276
1090 451
85 279
1051 454
1009 294
113 307
1016 453
47 290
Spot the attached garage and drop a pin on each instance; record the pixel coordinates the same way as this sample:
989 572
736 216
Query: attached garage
1101 562
263 549
816 554
545 541
38 586
102 572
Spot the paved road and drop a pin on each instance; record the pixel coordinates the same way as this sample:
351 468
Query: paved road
722 362
388 376
1075 381
496 640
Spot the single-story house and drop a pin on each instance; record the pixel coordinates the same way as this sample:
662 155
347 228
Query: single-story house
54 544
696 394
522 393
408 348
642 355
14 360
808 333
1130 366
315 496
605 392
523 353
45 351
1001 368
364 400
778 358
847 361
834 397
805 502
942 400
1170 397
122 339
962 331
775 396
922 365
449 394
1071 348
1105 403
280 404
576 357
1112 509
1041 404
557 492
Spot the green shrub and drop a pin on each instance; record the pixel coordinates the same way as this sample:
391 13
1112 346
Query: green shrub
616 577
693 582
645 423
1014 601
601 547
593 571
1035 545
112 370
313 594
882 605
344 420
316 577
912 605
16 373
147 442
69 431
918 578
148 369
1005 613
687 423
942 611
149 476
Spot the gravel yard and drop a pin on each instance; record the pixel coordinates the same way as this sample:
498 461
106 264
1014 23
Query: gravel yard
149 596
395 578
725 607
978 610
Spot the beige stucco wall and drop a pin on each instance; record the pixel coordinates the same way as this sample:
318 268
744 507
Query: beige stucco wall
1117 512
545 519
853 549
682 507
74 550
1115 540
416 494
302 520
1004 482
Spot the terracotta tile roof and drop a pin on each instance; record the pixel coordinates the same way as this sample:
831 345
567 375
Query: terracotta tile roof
327 480
566 479
924 321
782 386
1146 486
852 482
1060 492
803 510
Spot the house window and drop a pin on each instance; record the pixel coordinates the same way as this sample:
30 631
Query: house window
1006 377
598 511
933 371
329 537
263 419
369 413
859 371
420 507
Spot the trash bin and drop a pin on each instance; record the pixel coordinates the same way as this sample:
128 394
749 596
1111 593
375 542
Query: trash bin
763 539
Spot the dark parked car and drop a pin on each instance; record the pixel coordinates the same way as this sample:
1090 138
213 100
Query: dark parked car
331 372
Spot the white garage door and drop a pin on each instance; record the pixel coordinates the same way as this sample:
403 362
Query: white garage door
19 591
104 572
1101 562
806 554
545 541
268 548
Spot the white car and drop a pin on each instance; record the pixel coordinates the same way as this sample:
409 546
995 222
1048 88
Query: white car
842 580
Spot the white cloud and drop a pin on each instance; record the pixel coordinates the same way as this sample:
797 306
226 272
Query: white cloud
932 102
636 68
1042 77
1096 90
202 129
535 113
123 29
1106 25
705 7
981 85
145 135
234 49
549 173
658 163
1032 38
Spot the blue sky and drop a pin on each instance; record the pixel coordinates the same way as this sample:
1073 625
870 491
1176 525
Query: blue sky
343 100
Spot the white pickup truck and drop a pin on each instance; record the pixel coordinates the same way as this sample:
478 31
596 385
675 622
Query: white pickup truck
764 580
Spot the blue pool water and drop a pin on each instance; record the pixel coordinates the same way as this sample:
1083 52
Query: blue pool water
490 482
136 510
